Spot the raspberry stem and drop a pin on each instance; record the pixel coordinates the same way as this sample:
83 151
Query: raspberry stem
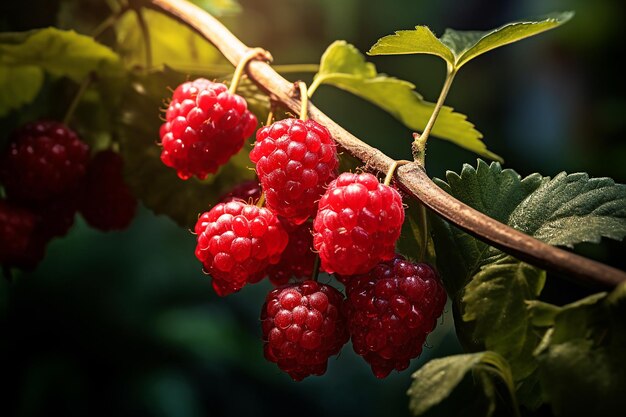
108 22
420 141
304 100
270 116
82 88
145 34
254 53
392 170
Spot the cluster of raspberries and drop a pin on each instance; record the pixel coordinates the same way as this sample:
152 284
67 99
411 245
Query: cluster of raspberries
48 175
301 208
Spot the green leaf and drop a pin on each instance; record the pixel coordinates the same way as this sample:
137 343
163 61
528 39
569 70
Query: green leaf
172 43
19 85
573 208
344 67
586 348
413 241
542 314
491 190
495 299
493 289
459 47
26 56
440 384
419 41
156 185
60 53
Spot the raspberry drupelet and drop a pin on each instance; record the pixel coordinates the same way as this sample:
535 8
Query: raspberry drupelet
390 312
44 160
357 224
303 325
295 160
298 259
205 125
236 243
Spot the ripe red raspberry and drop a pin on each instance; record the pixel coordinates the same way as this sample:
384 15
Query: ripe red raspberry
390 312
298 258
295 160
205 125
248 191
236 242
303 325
44 160
357 225
107 203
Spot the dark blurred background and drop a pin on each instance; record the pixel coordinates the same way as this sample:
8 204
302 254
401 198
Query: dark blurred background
125 323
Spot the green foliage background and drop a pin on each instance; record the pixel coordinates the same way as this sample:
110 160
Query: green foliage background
126 324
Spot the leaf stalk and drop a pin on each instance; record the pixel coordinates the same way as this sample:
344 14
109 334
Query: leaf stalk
419 145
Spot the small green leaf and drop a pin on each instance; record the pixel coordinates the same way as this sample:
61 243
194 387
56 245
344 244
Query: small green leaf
468 45
473 376
156 185
419 41
19 85
172 43
344 67
459 47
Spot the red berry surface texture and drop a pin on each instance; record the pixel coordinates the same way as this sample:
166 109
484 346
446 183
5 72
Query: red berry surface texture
205 126
390 312
303 325
298 259
357 224
295 160
236 243
17 226
45 159
248 191
107 202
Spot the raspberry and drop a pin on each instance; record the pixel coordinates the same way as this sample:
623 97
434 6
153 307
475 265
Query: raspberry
298 258
45 159
17 225
390 312
205 125
357 225
295 160
303 325
22 244
248 191
236 242
107 203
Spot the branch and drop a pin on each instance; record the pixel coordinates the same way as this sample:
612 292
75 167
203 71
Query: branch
411 177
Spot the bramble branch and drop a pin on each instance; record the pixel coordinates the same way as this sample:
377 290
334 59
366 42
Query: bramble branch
411 177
